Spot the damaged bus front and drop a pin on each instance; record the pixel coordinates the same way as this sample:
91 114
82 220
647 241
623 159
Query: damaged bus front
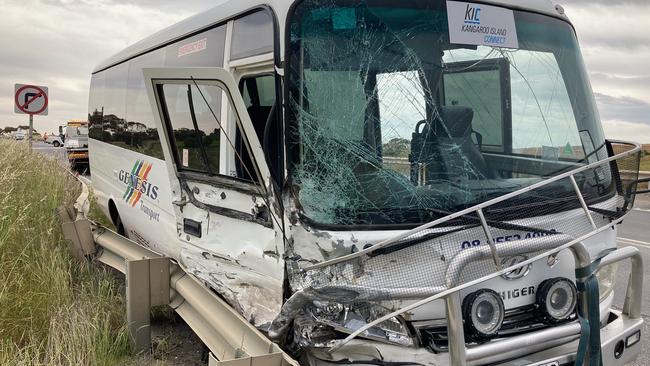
451 197
380 182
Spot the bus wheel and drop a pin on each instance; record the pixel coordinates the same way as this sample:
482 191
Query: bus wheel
120 226
115 217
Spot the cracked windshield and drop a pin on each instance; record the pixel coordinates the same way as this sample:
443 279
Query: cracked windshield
391 123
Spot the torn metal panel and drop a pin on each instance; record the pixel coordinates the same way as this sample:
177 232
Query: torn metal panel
241 260
363 350
241 280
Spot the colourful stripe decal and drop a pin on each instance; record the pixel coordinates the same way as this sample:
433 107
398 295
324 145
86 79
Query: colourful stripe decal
129 189
143 177
132 188
136 182
136 189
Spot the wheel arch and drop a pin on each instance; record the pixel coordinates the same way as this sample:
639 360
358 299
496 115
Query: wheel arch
112 210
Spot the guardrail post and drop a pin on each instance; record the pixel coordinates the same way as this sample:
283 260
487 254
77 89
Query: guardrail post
147 285
455 331
77 231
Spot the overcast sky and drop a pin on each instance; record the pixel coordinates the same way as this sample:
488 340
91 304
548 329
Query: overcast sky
58 42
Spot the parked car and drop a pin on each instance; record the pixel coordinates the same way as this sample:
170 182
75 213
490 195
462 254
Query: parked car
19 135
54 140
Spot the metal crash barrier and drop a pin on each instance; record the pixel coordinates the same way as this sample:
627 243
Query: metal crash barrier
152 280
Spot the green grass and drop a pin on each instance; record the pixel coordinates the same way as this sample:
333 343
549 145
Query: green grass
54 310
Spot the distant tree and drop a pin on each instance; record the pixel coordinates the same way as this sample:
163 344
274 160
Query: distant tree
9 129
397 147
95 118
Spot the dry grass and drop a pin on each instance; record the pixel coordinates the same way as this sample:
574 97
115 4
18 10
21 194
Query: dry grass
53 309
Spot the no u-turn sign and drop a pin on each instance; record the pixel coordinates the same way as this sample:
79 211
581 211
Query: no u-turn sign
31 99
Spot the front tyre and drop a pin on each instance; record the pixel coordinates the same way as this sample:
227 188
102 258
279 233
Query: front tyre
120 226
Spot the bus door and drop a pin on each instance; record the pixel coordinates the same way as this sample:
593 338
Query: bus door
227 223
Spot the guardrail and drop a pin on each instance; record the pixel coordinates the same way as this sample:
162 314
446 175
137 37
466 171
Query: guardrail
152 280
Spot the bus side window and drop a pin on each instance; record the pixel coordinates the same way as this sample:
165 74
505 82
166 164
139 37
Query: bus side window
95 107
141 134
259 96
195 132
114 116
252 35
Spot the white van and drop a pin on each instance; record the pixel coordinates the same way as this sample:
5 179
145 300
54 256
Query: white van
379 182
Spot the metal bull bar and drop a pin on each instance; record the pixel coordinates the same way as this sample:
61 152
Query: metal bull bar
586 266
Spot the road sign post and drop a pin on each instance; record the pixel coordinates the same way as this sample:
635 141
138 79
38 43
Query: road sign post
31 99
31 130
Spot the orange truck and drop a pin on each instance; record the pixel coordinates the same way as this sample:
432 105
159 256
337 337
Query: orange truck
76 144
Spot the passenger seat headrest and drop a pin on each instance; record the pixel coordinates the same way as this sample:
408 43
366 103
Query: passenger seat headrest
458 120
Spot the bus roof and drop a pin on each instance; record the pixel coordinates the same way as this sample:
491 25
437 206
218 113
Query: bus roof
233 8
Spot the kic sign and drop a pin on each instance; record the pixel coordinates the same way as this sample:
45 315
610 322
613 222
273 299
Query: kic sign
31 99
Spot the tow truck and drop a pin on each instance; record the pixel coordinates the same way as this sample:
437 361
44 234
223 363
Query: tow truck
76 144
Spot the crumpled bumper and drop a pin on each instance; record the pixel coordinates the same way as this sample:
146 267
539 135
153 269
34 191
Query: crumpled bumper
621 340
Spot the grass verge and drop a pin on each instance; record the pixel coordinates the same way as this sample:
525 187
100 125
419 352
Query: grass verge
53 309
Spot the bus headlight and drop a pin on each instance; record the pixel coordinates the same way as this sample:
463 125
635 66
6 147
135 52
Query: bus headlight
557 298
606 279
347 319
483 312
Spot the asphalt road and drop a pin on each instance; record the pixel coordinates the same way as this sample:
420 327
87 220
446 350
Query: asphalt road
47 149
57 152
635 231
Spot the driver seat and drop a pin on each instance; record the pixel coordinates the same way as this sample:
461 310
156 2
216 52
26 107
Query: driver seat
460 155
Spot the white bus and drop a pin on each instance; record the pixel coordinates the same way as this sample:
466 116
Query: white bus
379 182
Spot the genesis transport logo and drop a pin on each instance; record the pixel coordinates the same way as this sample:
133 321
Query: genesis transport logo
137 183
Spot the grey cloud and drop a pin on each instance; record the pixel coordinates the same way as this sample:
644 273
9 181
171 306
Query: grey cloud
616 61
609 24
623 108
154 4
70 38
632 82
645 79
631 42
187 4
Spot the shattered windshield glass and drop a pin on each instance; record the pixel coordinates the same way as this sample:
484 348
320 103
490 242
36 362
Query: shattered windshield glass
390 123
